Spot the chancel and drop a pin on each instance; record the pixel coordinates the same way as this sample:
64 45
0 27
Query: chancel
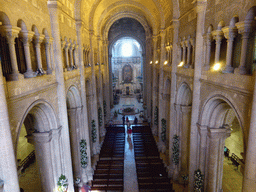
115 95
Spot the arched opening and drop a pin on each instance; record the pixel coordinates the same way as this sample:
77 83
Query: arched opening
127 66
183 123
39 139
74 109
222 135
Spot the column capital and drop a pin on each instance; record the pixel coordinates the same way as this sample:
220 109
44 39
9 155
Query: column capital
63 44
38 39
154 38
217 35
202 129
79 24
177 107
245 28
26 36
186 108
67 45
72 46
10 32
40 137
219 132
47 40
229 32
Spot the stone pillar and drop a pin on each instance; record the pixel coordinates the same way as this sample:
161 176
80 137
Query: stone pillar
229 34
38 39
184 53
102 127
66 48
184 139
188 44
53 7
148 73
11 33
110 80
74 130
154 93
71 56
193 159
215 158
161 144
192 62
96 145
202 137
249 182
48 55
41 141
52 55
208 51
26 38
8 173
106 79
87 174
217 35
244 28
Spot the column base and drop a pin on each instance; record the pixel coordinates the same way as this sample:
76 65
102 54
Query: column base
161 147
30 74
14 77
206 67
40 72
69 69
49 71
228 69
241 71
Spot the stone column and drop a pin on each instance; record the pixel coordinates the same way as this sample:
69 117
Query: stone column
184 53
188 64
66 48
74 130
229 34
96 145
148 74
154 93
106 79
38 39
172 123
71 56
8 173
185 131
41 141
48 55
218 36
110 80
52 55
102 127
76 56
87 174
161 101
208 51
11 33
193 159
215 158
54 8
26 38
202 137
244 28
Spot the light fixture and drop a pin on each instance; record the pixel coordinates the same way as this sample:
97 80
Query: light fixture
181 64
156 61
166 62
151 62
216 67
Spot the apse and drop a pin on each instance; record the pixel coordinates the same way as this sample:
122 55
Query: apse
127 65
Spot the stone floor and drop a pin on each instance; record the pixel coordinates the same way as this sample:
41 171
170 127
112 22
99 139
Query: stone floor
232 178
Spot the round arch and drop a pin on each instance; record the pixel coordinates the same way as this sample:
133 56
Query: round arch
43 132
184 95
214 104
118 16
73 97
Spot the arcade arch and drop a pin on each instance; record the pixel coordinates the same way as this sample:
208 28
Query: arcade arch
39 126
217 118
183 122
